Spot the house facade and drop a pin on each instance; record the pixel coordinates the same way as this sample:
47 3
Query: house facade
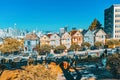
76 37
89 37
44 40
100 36
66 40
54 40
30 42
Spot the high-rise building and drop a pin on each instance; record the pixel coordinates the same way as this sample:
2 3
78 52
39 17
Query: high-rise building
62 31
66 28
74 28
112 21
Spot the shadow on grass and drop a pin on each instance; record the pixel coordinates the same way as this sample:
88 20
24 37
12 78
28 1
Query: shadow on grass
67 74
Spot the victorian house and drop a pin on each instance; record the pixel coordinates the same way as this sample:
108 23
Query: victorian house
30 42
100 36
45 40
89 37
66 40
76 37
54 40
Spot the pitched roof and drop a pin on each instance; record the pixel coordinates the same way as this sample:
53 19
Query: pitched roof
73 32
98 31
31 36
89 33
95 31
65 34
49 35
84 32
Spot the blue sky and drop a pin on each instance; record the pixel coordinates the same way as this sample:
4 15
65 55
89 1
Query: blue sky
52 14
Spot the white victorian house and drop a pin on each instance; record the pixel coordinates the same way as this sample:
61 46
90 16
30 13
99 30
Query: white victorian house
100 36
89 37
66 40
54 40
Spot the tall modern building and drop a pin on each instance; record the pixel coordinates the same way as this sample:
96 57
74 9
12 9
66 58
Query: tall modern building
112 21
63 30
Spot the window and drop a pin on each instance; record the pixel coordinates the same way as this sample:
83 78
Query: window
25 48
117 20
102 36
117 26
117 10
117 36
117 31
29 49
117 15
29 43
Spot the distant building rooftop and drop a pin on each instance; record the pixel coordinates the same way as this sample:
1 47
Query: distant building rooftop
31 36
116 5
73 32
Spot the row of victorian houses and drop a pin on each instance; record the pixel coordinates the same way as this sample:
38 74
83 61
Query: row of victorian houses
68 38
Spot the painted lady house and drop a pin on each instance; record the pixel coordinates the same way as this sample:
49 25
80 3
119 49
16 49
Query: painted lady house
54 40
100 36
45 40
89 37
76 37
66 40
30 42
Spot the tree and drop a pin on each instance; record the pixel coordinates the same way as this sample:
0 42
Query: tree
112 42
116 42
60 49
74 47
86 44
43 49
95 25
11 45
98 44
113 64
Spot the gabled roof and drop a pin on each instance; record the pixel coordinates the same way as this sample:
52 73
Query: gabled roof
45 35
84 32
89 32
95 31
73 32
31 36
66 33
49 35
98 31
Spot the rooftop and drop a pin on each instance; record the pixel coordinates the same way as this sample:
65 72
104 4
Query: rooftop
31 36
116 5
